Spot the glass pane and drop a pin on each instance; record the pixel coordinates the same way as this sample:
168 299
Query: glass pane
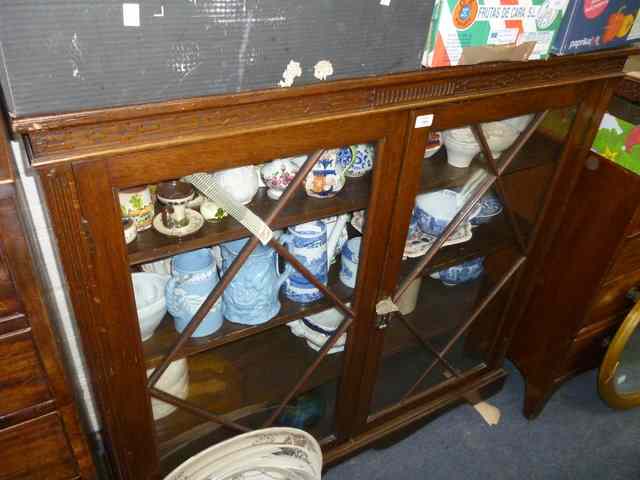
490 180
256 359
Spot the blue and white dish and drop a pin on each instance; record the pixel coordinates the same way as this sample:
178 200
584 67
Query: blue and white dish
490 206
461 273
316 329
349 262
357 159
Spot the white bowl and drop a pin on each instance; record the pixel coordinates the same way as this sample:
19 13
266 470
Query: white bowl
461 146
174 381
150 301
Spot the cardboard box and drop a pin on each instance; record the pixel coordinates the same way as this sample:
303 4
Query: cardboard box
460 24
66 55
596 24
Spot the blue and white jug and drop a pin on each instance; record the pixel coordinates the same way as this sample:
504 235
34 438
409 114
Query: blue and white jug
252 296
194 276
308 243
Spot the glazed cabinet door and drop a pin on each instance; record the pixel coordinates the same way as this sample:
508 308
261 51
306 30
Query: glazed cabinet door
475 181
236 331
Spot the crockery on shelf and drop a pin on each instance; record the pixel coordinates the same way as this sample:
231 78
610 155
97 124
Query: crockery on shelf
175 195
461 273
241 183
337 235
519 123
434 144
357 159
490 206
349 262
174 381
252 296
409 298
162 267
129 230
316 329
194 276
327 177
137 204
148 289
277 175
435 210
461 146
194 223
197 201
211 211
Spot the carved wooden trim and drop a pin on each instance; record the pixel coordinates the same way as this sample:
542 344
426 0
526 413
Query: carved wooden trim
120 130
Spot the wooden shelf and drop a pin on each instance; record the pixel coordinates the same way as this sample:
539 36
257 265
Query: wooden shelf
151 245
157 347
438 174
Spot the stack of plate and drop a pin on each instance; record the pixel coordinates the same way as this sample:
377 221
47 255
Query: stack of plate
317 329
267 454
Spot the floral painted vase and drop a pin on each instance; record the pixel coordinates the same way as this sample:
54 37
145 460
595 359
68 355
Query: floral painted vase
277 175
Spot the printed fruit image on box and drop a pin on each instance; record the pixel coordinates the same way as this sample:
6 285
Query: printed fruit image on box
457 24
595 24
619 141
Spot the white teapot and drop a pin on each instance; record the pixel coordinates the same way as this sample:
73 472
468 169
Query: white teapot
240 183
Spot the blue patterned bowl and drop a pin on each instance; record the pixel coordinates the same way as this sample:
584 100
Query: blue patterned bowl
490 206
462 273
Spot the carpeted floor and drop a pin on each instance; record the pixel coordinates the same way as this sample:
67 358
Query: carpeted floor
576 437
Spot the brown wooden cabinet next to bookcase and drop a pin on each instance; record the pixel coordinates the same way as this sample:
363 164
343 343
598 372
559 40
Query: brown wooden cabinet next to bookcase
394 368
40 432
580 295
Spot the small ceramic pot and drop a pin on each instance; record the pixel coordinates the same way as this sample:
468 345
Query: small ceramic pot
129 228
349 262
137 204
240 183
435 210
462 273
148 289
461 147
277 175
357 159
175 195
409 299
327 177
212 212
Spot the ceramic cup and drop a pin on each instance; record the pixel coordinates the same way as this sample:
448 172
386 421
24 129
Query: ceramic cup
241 183
137 204
357 159
349 262
277 175
175 195
327 177
194 276
129 228
461 147
462 273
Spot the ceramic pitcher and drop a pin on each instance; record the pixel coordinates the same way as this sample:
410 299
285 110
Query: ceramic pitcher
252 296
309 243
194 276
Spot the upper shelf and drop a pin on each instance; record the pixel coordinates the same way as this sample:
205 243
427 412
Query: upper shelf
151 245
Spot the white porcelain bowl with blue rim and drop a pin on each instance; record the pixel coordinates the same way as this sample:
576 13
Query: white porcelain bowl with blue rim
434 210
461 273
151 303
